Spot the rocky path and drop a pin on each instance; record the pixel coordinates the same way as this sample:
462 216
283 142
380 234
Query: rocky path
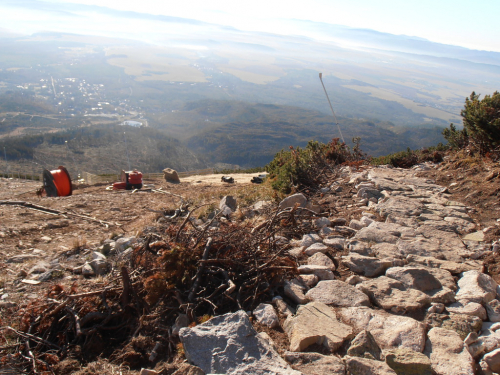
417 301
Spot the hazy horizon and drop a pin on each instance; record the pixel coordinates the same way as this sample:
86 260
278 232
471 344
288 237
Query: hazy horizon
448 22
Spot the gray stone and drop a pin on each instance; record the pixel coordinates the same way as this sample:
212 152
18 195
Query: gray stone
454 268
100 266
386 250
360 247
98 255
339 221
87 270
484 368
228 344
260 206
265 314
402 220
438 284
289 202
490 337
338 293
282 306
295 252
469 308
471 338
309 239
365 221
365 346
320 259
391 294
493 310
423 279
436 307
448 353
123 243
367 266
463 225
107 247
400 207
374 234
316 248
325 231
310 280
171 175
228 201
461 324
295 290
344 231
315 363
390 331
405 361
181 321
353 280
449 245
356 224
322 272
316 323
322 222
492 359
364 366
40 267
369 192
475 286
476 236
418 246
46 276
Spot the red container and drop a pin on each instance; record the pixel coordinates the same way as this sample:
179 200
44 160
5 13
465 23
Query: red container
119 186
134 178
57 183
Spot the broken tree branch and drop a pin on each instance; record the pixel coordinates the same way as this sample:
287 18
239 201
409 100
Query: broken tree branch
200 270
31 337
51 211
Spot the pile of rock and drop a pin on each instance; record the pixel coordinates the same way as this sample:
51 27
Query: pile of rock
417 302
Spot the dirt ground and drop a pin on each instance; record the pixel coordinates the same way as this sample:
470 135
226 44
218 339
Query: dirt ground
95 213
38 235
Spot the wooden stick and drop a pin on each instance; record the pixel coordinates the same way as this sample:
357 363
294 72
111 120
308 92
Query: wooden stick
56 212
31 337
90 294
200 270
186 220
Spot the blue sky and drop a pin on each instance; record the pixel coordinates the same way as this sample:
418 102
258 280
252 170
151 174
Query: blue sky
471 24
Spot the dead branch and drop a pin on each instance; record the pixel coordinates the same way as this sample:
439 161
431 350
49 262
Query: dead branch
186 220
95 293
127 287
200 270
76 318
31 337
51 211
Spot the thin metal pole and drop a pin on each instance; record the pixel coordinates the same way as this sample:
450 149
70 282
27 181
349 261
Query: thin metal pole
329 102
6 165
126 149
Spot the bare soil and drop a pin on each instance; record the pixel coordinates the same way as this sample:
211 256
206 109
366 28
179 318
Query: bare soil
43 236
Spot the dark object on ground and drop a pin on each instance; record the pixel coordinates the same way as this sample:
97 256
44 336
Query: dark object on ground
227 179
257 180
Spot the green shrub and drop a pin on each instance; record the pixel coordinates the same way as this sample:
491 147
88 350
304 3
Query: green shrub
409 158
481 119
300 167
